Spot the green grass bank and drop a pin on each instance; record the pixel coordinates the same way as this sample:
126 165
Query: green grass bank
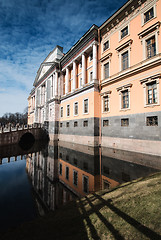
131 211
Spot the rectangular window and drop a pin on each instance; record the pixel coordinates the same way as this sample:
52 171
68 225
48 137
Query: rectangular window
86 106
105 123
106 70
80 64
61 112
90 76
67 173
67 124
124 122
75 124
76 108
61 124
152 121
125 99
85 124
68 110
75 177
91 56
124 32
85 184
148 15
105 45
80 82
106 104
125 60
60 168
151 47
152 93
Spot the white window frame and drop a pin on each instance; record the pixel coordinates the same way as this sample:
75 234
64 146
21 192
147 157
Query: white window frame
74 109
68 105
88 105
61 108
120 58
144 40
80 85
122 89
103 42
127 25
91 53
146 9
145 82
103 68
106 94
90 80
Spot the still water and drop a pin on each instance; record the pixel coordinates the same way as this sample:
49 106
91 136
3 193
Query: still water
48 176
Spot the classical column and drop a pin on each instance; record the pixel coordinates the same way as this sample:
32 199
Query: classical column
83 68
56 84
67 81
74 75
94 61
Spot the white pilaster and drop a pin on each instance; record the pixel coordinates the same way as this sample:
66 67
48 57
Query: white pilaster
67 81
83 68
56 84
74 75
94 61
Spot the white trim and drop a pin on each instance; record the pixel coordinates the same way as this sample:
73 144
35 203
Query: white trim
127 49
124 26
144 39
146 9
67 111
89 76
107 95
88 105
103 42
74 109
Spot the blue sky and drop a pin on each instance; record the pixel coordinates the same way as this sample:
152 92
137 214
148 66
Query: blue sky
30 29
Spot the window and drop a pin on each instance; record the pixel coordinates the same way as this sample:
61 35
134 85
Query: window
152 121
105 45
124 32
80 82
85 184
60 155
106 103
86 106
124 122
61 112
105 123
90 76
151 93
67 124
68 110
125 99
125 60
91 56
76 108
80 64
148 15
67 173
151 47
106 70
67 158
75 177
75 124
60 168
85 124
61 125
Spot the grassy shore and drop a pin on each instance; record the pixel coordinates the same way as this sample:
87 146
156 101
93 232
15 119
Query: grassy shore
131 211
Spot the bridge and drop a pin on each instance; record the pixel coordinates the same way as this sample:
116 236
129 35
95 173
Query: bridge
11 135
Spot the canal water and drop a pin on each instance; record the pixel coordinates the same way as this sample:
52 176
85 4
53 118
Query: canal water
47 176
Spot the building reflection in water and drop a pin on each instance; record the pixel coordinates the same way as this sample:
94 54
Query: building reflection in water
62 173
